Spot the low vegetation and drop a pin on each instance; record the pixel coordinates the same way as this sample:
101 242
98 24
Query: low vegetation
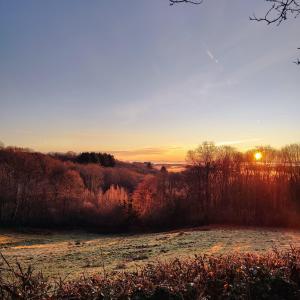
274 275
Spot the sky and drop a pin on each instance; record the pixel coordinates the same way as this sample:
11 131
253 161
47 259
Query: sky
145 80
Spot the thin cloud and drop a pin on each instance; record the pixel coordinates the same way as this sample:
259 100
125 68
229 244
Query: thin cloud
211 56
238 142
23 131
145 151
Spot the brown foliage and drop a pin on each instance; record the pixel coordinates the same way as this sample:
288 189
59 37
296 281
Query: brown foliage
220 185
274 275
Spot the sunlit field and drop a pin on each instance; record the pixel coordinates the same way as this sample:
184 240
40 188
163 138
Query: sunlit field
76 253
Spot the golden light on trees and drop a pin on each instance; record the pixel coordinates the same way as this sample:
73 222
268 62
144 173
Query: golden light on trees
258 155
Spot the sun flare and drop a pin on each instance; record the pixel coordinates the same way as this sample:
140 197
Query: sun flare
258 156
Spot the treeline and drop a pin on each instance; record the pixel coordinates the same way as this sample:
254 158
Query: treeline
103 159
219 186
40 190
224 186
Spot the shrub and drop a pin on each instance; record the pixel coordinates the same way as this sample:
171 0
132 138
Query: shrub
273 275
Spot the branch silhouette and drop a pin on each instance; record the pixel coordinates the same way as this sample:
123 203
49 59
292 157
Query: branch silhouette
280 11
172 2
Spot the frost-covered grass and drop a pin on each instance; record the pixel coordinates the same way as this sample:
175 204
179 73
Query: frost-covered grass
72 254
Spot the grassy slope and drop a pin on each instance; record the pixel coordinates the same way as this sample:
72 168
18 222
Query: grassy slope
72 254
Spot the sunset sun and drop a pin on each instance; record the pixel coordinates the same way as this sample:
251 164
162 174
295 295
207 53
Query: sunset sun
258 156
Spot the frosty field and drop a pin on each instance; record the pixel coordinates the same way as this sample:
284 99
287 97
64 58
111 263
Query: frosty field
71 254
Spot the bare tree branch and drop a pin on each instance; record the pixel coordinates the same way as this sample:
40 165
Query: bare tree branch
279 11
297 62
172 2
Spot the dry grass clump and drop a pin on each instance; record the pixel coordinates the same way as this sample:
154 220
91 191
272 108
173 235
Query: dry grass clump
275 275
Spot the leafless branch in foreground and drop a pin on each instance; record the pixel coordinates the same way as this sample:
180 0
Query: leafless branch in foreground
279 11
172 2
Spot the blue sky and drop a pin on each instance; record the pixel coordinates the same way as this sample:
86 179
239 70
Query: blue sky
144 79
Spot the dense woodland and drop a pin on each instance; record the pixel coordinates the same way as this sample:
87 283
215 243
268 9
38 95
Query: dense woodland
93 190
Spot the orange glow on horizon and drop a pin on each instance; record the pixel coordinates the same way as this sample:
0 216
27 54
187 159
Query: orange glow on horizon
258 156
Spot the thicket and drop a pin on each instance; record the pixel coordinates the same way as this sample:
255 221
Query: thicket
273 276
